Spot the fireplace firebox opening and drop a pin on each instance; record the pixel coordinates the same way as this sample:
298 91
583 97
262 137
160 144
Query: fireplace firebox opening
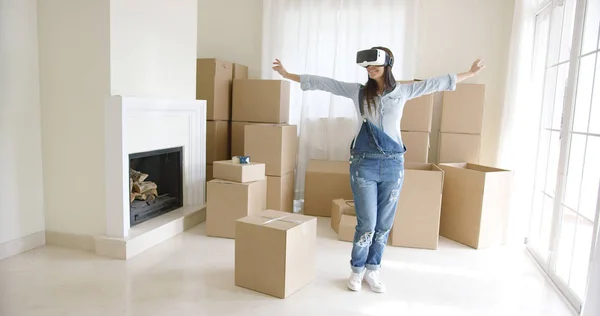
155 183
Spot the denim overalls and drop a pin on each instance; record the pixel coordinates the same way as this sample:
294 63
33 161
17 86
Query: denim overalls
376 178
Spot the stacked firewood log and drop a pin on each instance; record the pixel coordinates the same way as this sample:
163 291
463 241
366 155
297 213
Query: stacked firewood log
139 189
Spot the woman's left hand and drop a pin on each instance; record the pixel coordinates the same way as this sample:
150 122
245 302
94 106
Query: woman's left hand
477 66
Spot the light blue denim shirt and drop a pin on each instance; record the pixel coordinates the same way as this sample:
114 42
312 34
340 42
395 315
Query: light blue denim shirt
390 105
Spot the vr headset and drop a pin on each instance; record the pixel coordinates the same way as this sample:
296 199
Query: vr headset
373 57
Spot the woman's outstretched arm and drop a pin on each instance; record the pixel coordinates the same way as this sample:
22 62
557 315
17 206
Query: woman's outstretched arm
312 82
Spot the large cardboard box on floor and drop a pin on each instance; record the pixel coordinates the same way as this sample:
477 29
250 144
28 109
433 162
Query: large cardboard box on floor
237 137
272 144
417 220
262 101
462 109
237 172
228 201
213 84
417 114
217 141
325 181
475 204
275 252
417 146
340 207
459 148
280 192
347 227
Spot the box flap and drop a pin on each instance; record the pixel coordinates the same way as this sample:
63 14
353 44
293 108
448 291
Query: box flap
276 219
236 164
225 182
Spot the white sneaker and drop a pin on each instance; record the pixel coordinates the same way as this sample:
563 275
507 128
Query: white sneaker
355 282
372 278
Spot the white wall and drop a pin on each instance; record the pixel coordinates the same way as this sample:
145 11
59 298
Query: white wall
75 81
231 30
21 184
153 48
452 34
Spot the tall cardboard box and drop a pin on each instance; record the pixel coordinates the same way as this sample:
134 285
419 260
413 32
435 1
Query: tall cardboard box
417 220
340 207
280 192
262 101
227 201
459 148
272 144
217 141
417 114
417 146
237 137
240 71
325 181
237 172
462 109
475 204
213 84
275 252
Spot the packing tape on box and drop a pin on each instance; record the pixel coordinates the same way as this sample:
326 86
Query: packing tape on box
282 218
241 159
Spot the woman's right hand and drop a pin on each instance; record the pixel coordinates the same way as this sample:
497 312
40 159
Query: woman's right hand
278 66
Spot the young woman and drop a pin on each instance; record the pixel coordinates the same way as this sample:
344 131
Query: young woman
376 153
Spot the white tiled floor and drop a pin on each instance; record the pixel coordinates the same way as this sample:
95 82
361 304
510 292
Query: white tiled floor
192 274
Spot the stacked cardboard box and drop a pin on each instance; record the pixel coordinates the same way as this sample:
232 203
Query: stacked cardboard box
475 204
259 130
238 190
416 127
462 117
343 219
214 79
275 252
325 181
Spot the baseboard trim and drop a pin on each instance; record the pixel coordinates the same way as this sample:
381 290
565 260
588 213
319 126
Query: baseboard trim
150 234
68 240
23 244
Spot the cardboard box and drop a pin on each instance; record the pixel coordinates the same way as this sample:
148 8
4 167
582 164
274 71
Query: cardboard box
272 144
240 71
217 141
227 201
475 204
338 208
280 192
229 170
275 252
417 146
417 114
459 148
213 84
462 109
347 227
237 137
209 173
417 220
325 181
262 101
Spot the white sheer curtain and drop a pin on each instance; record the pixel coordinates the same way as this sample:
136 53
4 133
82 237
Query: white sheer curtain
321 37
518 138
591 303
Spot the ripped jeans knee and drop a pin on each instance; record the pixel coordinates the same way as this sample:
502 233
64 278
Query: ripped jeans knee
364 239
381 236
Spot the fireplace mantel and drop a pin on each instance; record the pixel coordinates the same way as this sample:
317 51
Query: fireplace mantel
142 124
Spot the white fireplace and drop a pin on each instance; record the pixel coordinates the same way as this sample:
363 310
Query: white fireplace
135 125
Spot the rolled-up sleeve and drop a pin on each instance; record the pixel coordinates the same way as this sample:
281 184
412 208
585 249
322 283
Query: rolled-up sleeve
344 89
419 88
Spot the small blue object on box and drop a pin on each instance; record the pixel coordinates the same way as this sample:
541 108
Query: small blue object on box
244 159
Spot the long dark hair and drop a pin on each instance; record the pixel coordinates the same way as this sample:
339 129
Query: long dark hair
389 80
